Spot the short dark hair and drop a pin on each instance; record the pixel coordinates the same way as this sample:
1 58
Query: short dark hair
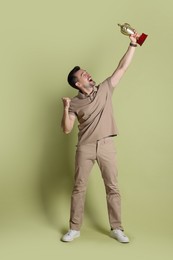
72 78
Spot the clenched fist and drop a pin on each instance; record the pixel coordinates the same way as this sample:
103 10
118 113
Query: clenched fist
66 102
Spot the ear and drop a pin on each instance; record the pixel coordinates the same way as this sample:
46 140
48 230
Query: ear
77 84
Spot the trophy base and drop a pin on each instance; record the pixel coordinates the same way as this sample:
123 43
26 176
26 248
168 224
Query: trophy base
142 38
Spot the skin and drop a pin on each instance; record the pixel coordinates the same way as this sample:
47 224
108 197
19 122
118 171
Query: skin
85 83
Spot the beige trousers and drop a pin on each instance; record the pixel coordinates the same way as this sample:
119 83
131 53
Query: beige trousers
103 152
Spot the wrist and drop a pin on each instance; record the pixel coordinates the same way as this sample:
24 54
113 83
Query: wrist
133 44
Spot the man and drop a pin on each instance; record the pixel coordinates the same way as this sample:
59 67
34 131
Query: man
93 109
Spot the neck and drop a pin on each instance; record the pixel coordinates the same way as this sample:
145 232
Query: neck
87 91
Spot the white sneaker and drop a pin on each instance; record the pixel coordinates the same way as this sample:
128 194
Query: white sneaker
70 235
119 235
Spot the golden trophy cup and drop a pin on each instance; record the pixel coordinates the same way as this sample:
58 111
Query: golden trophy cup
127 30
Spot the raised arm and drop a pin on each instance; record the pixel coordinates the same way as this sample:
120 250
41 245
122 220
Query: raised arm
68 119
125 61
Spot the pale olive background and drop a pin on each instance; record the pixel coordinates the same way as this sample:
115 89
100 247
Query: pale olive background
40 42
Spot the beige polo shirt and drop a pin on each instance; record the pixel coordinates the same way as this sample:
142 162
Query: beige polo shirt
94 113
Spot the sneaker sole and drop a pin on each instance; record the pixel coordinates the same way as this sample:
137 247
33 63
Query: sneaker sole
124 242
63 240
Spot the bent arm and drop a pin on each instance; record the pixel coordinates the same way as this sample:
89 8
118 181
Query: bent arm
124 62
68 119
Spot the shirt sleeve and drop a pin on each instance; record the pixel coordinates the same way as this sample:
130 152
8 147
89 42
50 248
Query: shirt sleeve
71 110
107 84
111 87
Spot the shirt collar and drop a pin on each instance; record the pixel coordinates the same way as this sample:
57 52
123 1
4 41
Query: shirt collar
82 95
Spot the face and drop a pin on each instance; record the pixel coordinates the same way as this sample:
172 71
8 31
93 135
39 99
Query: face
84 80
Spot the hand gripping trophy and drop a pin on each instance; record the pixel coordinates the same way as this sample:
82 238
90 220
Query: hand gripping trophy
126 29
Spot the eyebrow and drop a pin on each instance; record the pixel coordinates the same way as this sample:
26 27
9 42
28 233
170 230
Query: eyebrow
83 72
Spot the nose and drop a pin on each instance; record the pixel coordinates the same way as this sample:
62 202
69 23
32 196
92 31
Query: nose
88 75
